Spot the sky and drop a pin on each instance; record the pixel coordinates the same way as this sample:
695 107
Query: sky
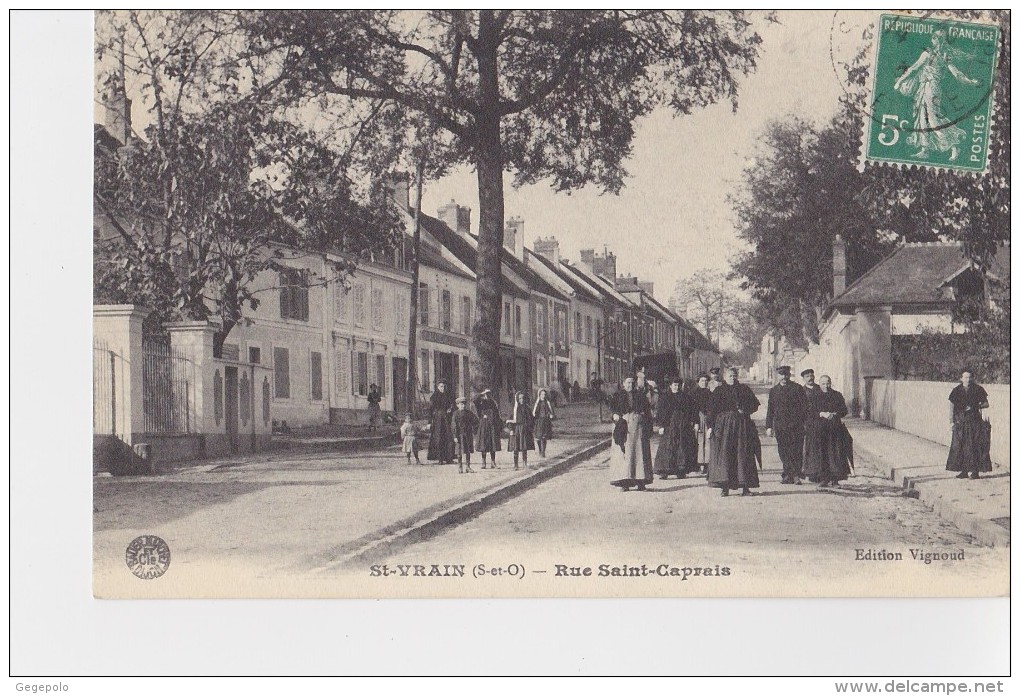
673 217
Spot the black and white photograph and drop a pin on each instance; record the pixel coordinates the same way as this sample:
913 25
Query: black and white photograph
562 304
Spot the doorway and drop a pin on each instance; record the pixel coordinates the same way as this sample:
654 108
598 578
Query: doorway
230 406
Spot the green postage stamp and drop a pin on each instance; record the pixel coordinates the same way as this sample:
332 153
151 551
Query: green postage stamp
932 93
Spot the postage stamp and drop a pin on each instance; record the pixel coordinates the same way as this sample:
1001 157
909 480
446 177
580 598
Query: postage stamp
931 100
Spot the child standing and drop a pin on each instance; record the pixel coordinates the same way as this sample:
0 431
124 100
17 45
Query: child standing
543 413
521 426
409 434
464 423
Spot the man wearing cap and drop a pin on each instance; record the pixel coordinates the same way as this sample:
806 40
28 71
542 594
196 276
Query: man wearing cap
490 426
785 421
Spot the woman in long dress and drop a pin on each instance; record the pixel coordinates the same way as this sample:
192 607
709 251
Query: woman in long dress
828 447
736 449
631 463
544 416
702 394
969 452
923 81
441 407
522 434
675 416
490 426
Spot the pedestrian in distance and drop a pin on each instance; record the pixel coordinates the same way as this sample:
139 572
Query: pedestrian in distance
631 466
521 425
490 426
702 396
970 450
784 420
374 409
736 449
675 416
828 446
409 439
575 391
441 448
464 425
544 416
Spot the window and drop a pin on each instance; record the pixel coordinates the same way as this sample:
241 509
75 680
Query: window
587 330
400 325
377 308
506 318
517 321
465 314
598 330
294 294
380 373
561 325
315 368
447 310
540 323
254 355
423 362
577 326
423 304
339 302
281 372
359 305
360 376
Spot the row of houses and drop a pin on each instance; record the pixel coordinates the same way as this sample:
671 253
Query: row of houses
328 340
319 339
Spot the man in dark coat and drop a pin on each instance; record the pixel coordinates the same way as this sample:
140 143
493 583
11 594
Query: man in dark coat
785 420
970 451
736 449
490 426
441 406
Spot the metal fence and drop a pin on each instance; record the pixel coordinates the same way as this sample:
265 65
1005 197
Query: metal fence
168 380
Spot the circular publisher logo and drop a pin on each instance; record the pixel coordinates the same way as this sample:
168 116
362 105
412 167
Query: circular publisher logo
148 557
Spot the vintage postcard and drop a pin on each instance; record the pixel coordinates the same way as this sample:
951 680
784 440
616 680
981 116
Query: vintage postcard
528 303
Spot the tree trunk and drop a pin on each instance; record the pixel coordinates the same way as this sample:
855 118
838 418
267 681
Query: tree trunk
488 150
412 336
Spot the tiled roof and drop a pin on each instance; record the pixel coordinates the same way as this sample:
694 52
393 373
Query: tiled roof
600 284
576 285
429 257
702 343
913 274
465 251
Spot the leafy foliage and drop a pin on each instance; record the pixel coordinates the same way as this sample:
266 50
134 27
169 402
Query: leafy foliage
189 214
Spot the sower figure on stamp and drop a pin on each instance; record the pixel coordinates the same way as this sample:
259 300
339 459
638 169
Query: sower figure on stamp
784 419
675 416
632 465
440 438
970 451
464 424
490 426
828 447
736 449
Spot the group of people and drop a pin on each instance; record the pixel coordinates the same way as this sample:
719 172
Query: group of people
457 431
710 425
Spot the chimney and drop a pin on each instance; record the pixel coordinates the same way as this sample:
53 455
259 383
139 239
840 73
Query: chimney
838 266
456 217
513 226
605 265
548 248
116 105
399 187
648 287
588 259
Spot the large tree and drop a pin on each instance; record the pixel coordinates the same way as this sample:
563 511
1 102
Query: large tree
546 95
192 211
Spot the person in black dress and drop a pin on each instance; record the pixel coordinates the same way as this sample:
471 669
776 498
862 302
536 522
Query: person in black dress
969 452
828 447
441 405
736 449
522 430
675 416
543 414
702 394
490 426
